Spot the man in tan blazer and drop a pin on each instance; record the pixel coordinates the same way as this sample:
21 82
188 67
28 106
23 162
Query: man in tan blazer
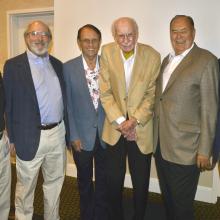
127 90
185 118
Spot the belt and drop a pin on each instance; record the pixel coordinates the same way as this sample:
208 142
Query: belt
49 126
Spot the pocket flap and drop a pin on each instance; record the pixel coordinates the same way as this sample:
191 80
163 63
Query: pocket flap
189 127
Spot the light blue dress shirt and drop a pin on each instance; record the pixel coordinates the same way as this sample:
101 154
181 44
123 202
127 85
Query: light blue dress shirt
47 87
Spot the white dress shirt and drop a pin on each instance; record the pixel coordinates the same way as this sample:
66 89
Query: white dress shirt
174 61
128 67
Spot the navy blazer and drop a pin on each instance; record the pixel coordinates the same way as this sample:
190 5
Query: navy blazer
2 105
216 145
83 118
22 110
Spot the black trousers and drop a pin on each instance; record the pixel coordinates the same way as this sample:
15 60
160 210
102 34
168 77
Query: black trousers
93 204
178 184
139 166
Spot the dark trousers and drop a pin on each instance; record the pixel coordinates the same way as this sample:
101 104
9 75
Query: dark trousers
139 166
178 184
92 196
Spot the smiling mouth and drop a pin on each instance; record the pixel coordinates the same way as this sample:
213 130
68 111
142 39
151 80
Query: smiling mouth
180 42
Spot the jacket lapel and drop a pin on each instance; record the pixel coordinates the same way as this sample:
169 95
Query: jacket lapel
135 69
26 75
118 61
183 64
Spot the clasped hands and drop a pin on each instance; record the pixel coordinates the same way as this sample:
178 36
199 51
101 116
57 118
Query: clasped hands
127 129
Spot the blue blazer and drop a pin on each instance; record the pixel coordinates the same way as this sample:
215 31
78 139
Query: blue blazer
84 120
2 105
216 145
22 110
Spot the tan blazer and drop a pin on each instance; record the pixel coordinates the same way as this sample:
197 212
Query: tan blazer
186 112
138 102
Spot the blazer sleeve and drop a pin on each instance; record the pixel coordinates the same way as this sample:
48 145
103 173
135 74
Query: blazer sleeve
73 133
8 86
2 104
209 106
106 94
216 145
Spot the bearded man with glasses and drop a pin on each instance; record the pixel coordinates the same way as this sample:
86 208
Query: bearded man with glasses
35 115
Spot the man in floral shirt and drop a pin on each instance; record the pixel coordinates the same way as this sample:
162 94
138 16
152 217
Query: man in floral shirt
86 118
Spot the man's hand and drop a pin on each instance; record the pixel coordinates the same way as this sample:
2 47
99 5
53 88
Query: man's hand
203 162
77 145
127 129
127 126
132 135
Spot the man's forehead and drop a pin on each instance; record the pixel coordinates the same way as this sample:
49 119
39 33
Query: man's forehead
179 28
37 26
124 27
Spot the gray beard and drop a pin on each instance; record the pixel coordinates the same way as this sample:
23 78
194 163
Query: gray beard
38 52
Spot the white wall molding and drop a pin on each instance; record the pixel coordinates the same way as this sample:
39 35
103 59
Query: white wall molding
203 194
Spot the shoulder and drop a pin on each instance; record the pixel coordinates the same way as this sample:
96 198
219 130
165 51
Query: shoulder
203 55
54 60
17 59
110 46
73 62
144 48
73 67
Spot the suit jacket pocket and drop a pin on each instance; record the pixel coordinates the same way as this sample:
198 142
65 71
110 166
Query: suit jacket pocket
186 127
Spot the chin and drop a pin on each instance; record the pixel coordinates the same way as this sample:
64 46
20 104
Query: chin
40 52
127 50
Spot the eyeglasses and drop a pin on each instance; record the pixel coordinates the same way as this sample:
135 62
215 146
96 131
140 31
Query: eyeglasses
122 37
38 33
90 41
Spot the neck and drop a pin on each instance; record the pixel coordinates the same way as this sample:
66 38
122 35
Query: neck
91 62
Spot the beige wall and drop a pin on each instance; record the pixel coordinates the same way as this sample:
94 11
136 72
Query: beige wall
7 5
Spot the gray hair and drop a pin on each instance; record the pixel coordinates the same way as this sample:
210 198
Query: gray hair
131 20
189 18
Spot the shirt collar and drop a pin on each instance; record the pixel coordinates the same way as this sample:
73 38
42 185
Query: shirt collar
86 67
34 57
182 55
131 57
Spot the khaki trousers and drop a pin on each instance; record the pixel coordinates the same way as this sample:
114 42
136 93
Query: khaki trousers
51 158
5 179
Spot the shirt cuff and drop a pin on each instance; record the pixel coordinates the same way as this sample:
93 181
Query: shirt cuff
120 120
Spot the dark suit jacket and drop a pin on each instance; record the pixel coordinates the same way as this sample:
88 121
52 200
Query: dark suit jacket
216 146
2 105
22 110
83 118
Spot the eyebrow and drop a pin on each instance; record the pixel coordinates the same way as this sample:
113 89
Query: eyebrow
179 29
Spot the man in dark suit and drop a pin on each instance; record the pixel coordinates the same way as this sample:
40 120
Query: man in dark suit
86 118
185 118
35 109
5 165
216 145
